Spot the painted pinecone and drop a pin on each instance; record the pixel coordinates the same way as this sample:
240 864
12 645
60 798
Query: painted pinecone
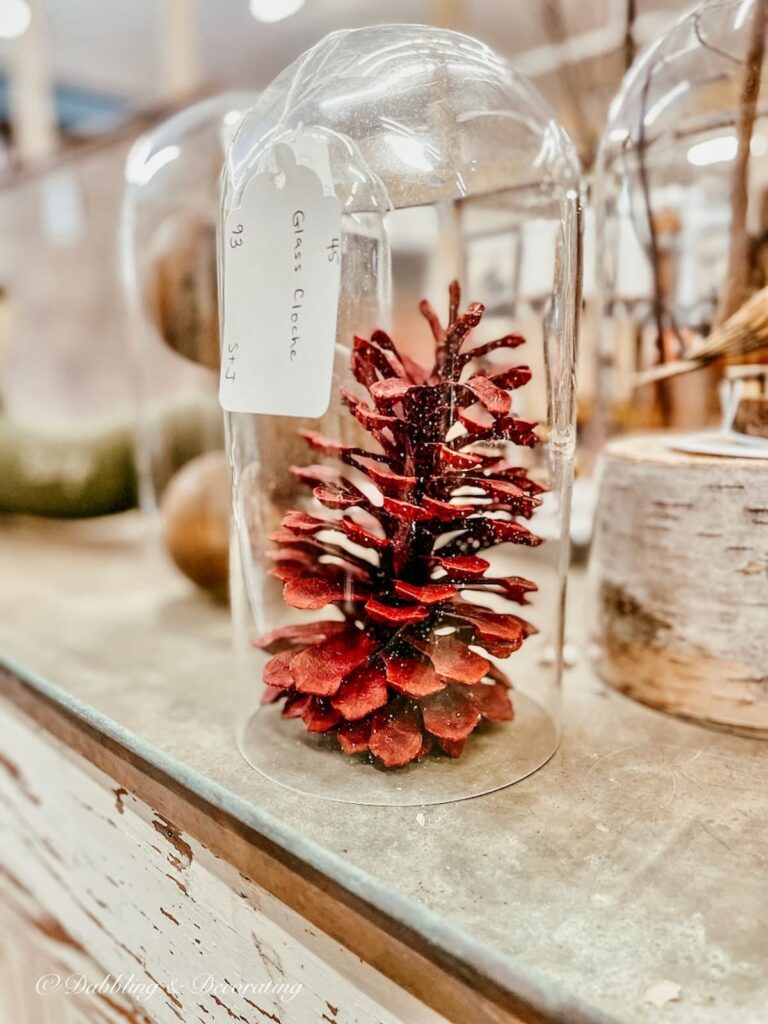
400 670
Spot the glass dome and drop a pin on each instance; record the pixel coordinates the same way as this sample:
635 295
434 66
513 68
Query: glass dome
66 404
682 193
168 261
682 197
376 594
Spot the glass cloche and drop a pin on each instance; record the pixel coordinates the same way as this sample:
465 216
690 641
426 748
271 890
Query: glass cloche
168 259
678 553
400 262
66 402
682 197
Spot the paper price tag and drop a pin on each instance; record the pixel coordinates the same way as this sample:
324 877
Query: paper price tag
282 264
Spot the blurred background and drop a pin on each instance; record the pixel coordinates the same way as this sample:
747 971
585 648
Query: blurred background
80 82
78 70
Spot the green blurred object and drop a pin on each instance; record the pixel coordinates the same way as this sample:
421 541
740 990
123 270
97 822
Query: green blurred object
91 471
66 476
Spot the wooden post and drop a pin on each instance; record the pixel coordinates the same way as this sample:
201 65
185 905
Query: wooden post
33 118
447 14
181 66
737 284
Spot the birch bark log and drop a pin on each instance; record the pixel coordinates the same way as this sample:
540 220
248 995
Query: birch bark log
680 577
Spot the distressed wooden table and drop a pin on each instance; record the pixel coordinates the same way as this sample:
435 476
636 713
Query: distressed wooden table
147 874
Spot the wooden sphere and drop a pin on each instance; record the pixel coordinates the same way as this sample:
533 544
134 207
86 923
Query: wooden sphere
196 518
182 290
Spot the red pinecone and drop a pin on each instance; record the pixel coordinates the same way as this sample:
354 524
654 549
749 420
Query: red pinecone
400 669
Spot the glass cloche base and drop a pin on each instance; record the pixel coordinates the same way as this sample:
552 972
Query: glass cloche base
495 756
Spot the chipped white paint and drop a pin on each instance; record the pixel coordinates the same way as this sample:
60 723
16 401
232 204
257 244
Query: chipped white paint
102 886
662 992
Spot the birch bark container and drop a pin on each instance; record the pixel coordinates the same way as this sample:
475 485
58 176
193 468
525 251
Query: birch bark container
680 582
